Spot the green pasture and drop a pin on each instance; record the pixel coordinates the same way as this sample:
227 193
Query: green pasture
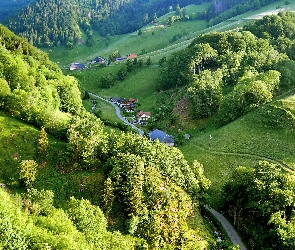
243 142
140 84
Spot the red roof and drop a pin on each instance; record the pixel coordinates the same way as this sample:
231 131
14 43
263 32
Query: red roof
131 56
140 113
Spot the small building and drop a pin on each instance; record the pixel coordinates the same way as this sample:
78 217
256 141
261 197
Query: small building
98 59
116 99
119 59
77 66
131 56
142 117
162 137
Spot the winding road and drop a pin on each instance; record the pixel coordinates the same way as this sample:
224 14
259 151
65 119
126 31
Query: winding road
118 113
231 232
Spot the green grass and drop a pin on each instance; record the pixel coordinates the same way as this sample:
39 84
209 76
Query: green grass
17 143
243 142
140 84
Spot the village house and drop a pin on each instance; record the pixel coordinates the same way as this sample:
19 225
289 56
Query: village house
98 59
162 137
77 66
142 117
131 56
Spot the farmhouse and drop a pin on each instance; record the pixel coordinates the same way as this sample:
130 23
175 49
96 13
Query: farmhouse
162 137
98 59
119 59
142 117
131 56
77 66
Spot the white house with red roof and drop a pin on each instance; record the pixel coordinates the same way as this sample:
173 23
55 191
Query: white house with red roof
142 117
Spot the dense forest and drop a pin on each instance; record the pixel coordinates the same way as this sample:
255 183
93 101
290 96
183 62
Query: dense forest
147 190
69 19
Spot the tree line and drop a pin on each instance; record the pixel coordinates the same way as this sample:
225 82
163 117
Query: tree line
61 23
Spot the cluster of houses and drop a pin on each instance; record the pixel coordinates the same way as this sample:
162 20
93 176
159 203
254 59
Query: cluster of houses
130 56
81 66
100 60
142 118
128 105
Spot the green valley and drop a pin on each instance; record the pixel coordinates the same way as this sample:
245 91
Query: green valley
217 76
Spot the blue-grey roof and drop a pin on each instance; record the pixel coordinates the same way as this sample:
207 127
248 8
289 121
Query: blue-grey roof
161 135
78 65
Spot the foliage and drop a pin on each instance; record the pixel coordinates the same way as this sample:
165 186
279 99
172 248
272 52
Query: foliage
38 202
279 28
70 18
263 194
251 91
88 219
205 94
27 171
42 145
86 139
148 196
37 90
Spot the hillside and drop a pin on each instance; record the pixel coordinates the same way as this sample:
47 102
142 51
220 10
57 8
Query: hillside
89 189
256 129
74 22
144 188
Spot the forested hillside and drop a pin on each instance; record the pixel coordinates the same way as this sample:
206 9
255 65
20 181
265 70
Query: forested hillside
228 74
69 19
49 23
225 75
70 191
9 7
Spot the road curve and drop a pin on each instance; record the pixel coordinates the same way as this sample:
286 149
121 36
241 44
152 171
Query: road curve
231 232
118 113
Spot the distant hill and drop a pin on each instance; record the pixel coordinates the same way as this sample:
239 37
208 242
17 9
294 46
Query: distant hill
54 23
51 23
9 7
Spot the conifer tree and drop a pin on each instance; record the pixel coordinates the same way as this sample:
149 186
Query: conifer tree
43 145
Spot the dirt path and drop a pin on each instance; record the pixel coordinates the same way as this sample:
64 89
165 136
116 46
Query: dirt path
231 232
280 163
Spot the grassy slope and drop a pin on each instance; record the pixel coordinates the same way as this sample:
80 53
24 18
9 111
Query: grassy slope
17 143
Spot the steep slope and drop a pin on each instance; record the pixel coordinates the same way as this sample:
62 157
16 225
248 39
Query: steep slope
34 88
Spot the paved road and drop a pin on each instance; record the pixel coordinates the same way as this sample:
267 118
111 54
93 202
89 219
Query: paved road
118 113
231 232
